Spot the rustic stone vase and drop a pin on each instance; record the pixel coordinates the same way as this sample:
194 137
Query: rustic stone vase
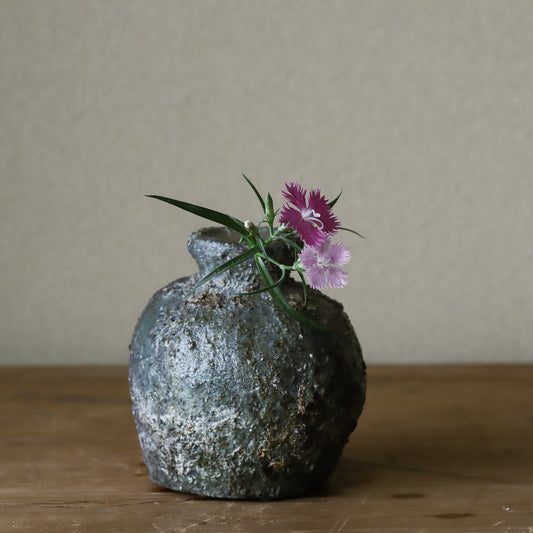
232 398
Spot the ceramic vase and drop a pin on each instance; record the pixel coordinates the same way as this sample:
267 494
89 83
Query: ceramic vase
233 398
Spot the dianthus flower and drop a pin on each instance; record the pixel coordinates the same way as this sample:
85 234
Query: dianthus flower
312 218
322 264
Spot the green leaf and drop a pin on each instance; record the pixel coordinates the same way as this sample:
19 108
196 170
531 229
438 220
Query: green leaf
352 231
261 201
282 302
290 243
228 265
334 201
304 284
261 243
240 224
204 212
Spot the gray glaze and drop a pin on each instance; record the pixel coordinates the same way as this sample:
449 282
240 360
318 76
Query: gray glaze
231 397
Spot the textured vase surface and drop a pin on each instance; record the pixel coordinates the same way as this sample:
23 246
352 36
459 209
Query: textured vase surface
231 397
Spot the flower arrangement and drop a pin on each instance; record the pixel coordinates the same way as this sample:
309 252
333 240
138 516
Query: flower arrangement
306 224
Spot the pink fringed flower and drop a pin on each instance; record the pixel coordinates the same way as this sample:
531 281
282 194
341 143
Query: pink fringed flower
322 264
312 218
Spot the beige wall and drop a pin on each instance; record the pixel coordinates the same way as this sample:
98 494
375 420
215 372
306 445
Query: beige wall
422 112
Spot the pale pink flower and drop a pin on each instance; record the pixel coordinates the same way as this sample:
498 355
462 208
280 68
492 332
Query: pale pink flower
323 264
312 218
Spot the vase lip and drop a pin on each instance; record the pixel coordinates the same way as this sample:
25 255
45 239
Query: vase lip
211 241
219 234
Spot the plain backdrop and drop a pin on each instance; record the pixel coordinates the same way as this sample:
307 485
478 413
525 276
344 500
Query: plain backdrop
421 112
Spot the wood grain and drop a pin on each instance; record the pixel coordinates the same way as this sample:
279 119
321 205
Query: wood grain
437 449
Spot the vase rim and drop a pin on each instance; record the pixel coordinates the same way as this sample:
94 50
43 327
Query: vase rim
217 233
208 244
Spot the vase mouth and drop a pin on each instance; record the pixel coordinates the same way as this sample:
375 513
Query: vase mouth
211 246
218 234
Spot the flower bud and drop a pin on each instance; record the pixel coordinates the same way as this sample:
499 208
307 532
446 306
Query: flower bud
251 227
269 210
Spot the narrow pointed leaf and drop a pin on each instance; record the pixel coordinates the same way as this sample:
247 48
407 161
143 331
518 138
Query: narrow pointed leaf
282 302
290 243
334 201
304 285
268 257
240 224
261 201
352 231
237 260
261 245
204 212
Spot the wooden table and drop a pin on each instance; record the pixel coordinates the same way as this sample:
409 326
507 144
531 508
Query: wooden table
437 449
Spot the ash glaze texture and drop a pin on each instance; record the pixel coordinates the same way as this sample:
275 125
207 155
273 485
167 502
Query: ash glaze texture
231 397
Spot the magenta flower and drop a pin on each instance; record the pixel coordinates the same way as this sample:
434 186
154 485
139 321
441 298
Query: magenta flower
312 218
322 264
